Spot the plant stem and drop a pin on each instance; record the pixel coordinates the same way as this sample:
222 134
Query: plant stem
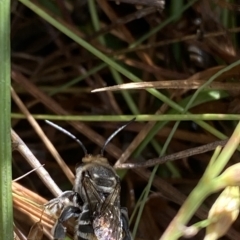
208 184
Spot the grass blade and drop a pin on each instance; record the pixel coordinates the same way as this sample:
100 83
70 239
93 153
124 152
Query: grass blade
6 218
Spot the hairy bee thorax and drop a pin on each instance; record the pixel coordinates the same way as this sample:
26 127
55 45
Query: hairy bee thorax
96 178
97 158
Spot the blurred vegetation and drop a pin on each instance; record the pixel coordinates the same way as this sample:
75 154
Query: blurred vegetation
187 50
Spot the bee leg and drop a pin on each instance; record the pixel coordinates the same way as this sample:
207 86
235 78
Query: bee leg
67 198
59 231
125 224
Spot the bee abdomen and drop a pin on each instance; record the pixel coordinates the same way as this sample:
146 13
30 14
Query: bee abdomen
84 229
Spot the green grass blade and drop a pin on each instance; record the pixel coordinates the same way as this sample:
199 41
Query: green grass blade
6 210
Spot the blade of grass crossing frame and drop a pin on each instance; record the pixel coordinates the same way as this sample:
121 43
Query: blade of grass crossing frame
6 215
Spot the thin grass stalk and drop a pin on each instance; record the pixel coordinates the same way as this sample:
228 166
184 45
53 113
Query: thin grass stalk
150 181
6 210
139 117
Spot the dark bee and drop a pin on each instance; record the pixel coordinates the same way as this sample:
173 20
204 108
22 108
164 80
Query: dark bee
94 200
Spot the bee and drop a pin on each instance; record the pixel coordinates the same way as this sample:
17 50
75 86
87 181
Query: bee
94 201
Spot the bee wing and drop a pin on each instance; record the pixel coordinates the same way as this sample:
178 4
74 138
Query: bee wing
116 224
91 191
112 199
108 225
107 222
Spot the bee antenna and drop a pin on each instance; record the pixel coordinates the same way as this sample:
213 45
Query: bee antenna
68 134
114 134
